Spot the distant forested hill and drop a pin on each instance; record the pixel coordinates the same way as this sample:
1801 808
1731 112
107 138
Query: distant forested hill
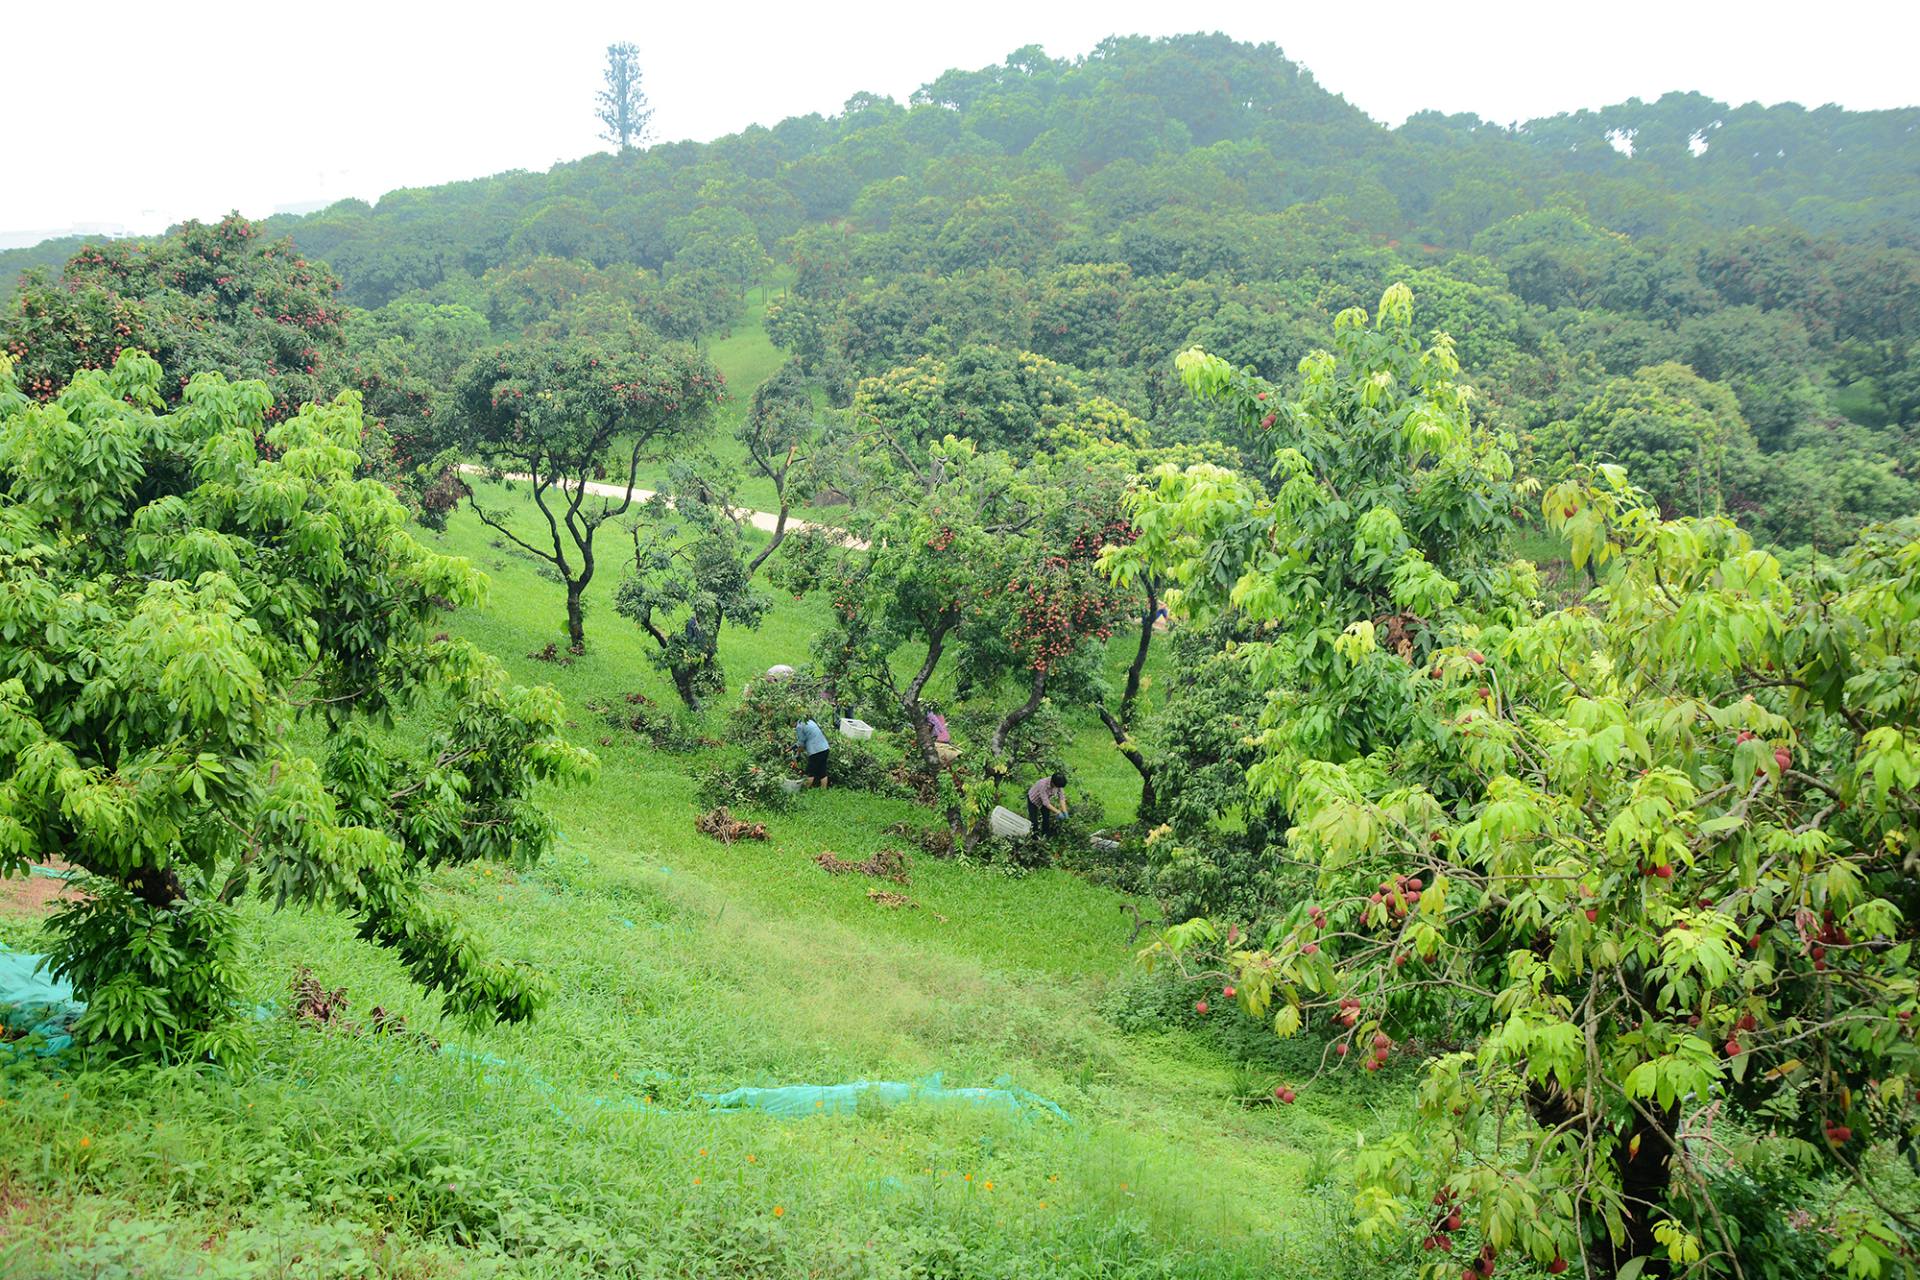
48 255
1726 297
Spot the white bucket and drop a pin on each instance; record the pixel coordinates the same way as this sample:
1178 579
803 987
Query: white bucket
1008 825
856 730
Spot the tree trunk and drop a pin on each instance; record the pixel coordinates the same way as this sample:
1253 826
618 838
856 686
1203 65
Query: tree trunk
1644 1177
1008 723
576 616
156 886
683 684
1019 715
773 543
1121 725
916 714
1149 798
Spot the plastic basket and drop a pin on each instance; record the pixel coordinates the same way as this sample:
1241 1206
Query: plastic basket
1008 825
790 785
856 730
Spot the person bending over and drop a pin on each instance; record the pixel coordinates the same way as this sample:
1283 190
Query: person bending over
1047 803
943 748
813 744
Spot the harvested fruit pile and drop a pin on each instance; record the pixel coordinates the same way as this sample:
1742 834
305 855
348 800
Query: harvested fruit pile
888 864
726 828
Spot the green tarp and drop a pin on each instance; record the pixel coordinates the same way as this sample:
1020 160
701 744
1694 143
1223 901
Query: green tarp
32 1001
794 1100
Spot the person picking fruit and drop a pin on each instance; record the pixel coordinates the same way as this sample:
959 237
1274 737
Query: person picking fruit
1047 803
813 744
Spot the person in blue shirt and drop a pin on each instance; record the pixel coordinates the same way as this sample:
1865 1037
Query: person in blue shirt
813 744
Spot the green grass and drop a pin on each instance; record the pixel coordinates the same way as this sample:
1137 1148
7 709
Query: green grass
1860 402
577 1144
746 358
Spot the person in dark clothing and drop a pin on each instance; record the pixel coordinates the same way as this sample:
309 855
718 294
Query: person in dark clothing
813 744
1047 803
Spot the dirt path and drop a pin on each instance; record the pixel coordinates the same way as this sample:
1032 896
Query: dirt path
765 521
33 895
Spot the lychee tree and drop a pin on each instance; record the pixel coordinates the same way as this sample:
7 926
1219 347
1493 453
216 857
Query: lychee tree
985 576
793 446
923 582
1636 877
203 644
690 578
560 415
205 298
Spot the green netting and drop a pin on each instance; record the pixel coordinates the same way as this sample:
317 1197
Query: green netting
34 1003
31 1001
794 1100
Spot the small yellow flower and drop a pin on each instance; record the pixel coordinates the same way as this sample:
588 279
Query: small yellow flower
753 1159
696 1182
703 1151
989 1184
778 1212
1053 1177
86 1142
1043 1204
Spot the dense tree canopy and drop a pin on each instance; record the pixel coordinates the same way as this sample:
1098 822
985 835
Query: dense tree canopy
178 602
1681 437
1109 211
213 299
1647 857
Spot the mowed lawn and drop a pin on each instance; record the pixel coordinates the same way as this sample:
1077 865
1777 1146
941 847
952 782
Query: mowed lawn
579 1144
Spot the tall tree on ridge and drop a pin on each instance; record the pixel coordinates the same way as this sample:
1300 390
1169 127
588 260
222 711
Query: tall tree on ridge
623 111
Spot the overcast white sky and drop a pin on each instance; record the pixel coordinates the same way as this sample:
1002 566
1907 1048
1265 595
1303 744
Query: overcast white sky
133 116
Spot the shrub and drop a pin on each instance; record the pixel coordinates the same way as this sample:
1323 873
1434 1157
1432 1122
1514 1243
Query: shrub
731 784
761 726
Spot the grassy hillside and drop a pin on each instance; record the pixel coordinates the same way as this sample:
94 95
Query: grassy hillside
579 1144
